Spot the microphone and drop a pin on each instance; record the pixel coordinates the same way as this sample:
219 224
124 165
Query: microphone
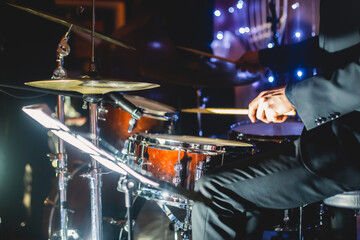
135 112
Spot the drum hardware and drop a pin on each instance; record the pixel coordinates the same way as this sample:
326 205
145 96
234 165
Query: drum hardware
102 111
200 101
128 186
183 227
199 172
62 174
47 202
95 179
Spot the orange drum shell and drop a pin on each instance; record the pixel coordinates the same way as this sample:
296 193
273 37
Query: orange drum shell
115 129
161 164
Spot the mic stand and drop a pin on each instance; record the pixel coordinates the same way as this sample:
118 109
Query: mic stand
128 185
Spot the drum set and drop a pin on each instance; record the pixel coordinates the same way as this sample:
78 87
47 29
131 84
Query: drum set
151 162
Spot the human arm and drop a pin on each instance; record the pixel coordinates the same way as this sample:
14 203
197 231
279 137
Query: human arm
283 58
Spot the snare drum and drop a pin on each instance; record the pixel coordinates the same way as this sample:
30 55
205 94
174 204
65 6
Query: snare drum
157 118
182 160
266 135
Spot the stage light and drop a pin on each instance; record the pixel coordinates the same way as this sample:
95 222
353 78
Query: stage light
217 13
231 10
314 71
240 4
271 79
220 35
299 73
156 45
270 45
295 5
297 34
243 30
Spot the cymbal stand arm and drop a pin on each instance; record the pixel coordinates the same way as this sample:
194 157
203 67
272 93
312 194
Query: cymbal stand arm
199 105
62 174
62 51
92 57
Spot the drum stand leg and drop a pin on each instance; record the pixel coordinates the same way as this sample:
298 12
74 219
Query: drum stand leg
184 227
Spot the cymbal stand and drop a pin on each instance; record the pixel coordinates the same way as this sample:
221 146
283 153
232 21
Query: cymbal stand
95 179
94 176
201 102
61 168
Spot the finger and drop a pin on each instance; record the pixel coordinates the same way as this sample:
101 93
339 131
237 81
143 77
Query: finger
281 119
260 113
271 115
252 111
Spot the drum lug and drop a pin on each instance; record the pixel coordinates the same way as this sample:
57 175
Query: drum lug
177 179
102 111
199 171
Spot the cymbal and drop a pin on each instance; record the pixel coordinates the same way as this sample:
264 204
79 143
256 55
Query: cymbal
68 24
228 111
91 85
197 72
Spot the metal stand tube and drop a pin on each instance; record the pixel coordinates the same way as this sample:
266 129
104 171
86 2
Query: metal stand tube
300 223
95 181
62 175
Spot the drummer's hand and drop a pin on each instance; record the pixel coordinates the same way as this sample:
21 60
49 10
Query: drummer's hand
270 106
249 61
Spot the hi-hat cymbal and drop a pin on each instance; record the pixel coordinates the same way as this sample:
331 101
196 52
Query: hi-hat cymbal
68 24
88 86
197 72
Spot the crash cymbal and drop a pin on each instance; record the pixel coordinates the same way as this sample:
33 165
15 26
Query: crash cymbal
91 85
228 111
68 24
197 71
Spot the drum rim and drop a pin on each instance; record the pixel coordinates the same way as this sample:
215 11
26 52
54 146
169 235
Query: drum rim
158 141
266 137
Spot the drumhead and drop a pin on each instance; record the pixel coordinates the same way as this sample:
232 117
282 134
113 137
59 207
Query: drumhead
152 108
190 143
291 127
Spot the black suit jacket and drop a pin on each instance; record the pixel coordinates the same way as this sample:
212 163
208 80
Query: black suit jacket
328 104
